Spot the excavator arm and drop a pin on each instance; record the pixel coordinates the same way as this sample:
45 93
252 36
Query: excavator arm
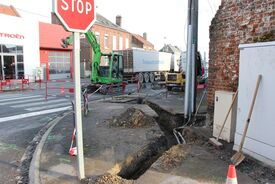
96 57
96 49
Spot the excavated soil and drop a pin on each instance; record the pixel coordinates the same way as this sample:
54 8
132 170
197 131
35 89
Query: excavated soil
108 179
172 157
132 118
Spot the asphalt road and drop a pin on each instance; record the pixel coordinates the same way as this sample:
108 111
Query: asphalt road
23 114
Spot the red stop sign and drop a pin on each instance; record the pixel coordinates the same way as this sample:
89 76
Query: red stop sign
75 15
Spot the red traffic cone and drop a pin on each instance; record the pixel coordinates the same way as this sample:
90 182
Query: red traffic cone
231 175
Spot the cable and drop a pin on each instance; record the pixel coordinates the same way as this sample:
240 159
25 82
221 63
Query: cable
31 12
210 6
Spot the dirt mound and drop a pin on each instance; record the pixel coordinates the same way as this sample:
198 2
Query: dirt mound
172 157
109 179
132 118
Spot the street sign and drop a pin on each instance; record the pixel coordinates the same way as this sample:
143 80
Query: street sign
75 15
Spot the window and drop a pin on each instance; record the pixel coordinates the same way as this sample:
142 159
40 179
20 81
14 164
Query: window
9 48
106 40
20 66
120 43
19 49
12 63
127 43
97 35
114 43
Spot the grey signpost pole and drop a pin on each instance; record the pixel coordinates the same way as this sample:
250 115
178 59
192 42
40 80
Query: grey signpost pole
77 106
77 17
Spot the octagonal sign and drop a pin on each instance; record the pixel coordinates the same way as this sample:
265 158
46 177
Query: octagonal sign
75 15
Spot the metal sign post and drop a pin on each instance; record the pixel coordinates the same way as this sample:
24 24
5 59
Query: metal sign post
77 106
77 17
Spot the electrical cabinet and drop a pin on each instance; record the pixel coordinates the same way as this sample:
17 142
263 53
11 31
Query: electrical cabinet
223 100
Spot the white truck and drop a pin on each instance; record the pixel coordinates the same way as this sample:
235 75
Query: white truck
146 66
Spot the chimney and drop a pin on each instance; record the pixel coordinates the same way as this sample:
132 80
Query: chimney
145 36
118 20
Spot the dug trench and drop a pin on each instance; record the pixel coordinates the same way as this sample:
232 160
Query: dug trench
163 154
139 162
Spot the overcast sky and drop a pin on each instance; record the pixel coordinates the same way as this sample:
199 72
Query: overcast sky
164 21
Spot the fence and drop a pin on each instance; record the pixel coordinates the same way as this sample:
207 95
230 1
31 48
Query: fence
14 84
58 88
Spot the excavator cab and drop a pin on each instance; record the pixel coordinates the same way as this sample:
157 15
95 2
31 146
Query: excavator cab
110 69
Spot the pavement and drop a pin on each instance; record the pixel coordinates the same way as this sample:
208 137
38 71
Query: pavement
105 147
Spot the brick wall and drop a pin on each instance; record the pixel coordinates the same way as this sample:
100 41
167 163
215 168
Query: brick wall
236 22
103 30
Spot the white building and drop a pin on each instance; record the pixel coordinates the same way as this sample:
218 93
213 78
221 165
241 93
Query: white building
19 47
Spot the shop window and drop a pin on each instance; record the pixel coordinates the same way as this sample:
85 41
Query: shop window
20 66
9 48
12 63
19 49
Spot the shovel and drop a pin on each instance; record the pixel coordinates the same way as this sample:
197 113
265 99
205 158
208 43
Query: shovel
238 157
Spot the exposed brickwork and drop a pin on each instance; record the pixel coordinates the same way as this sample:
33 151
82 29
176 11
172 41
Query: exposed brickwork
103 30
236 22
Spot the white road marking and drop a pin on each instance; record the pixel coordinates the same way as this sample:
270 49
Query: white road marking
39 103
24 101
4 96
19 98
47 106
31 114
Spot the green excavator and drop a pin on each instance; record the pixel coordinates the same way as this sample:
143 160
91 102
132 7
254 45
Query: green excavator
107 69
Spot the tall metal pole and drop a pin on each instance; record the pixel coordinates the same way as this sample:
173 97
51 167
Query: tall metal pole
194 53
77 107
191 66
188 75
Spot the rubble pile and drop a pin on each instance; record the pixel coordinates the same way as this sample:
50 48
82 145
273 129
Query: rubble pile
132 118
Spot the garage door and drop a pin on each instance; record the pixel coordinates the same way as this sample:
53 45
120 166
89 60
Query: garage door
59 65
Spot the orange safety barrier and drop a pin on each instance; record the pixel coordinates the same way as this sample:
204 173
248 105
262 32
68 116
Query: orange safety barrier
62 90
13 84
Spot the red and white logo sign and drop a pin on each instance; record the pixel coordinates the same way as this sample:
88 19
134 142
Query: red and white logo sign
76 15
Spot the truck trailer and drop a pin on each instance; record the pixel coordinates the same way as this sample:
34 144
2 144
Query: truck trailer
146 66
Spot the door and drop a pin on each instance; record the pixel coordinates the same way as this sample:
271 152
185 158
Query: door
8 64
